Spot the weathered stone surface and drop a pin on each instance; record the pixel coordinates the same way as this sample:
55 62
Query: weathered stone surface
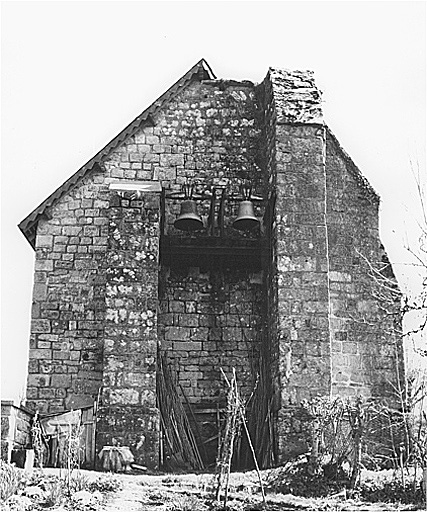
297 98
203 340
105 301
69 290
356 319
131 286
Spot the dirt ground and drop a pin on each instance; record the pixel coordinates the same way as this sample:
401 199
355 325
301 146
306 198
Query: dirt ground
196 492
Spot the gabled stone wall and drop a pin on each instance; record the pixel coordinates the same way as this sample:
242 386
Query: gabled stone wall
209 133
108 295
367 355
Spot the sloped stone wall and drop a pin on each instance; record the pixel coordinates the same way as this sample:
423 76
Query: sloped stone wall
367 354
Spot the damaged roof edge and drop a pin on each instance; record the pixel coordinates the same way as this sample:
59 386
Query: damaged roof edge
28 225
357 173
296 96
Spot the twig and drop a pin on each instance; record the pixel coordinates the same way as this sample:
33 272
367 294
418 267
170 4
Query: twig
254 457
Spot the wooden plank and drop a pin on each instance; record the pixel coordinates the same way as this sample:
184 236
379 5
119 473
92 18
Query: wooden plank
88 443
83 442
86 438
136 186
93 451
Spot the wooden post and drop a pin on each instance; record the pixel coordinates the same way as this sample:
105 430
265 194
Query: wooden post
425 484
221 213
212 213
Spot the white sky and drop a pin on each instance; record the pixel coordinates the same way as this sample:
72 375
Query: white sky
76 73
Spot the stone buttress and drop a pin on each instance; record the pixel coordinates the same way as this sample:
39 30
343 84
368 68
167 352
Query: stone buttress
299 271
128 412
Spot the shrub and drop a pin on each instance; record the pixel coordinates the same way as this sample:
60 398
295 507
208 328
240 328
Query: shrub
185 503
19 503
10 479
297 478
392 491
106 483
55 492
79 482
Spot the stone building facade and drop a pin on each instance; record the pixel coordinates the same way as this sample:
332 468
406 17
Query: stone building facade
116 284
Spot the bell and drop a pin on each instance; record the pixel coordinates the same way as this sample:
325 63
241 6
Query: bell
188 220
245 219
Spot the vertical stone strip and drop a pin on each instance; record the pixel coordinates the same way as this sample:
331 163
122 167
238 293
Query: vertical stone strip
367 352
301 248
128 412
269 347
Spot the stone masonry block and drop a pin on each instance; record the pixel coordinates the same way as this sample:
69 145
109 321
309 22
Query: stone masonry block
60 381
187 345
42 354
167 160
124 397
176 306
44 241
46 265
39 291
38 380
32 393
46 393
177 333
350 348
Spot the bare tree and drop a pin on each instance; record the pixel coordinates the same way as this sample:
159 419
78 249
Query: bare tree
415 304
